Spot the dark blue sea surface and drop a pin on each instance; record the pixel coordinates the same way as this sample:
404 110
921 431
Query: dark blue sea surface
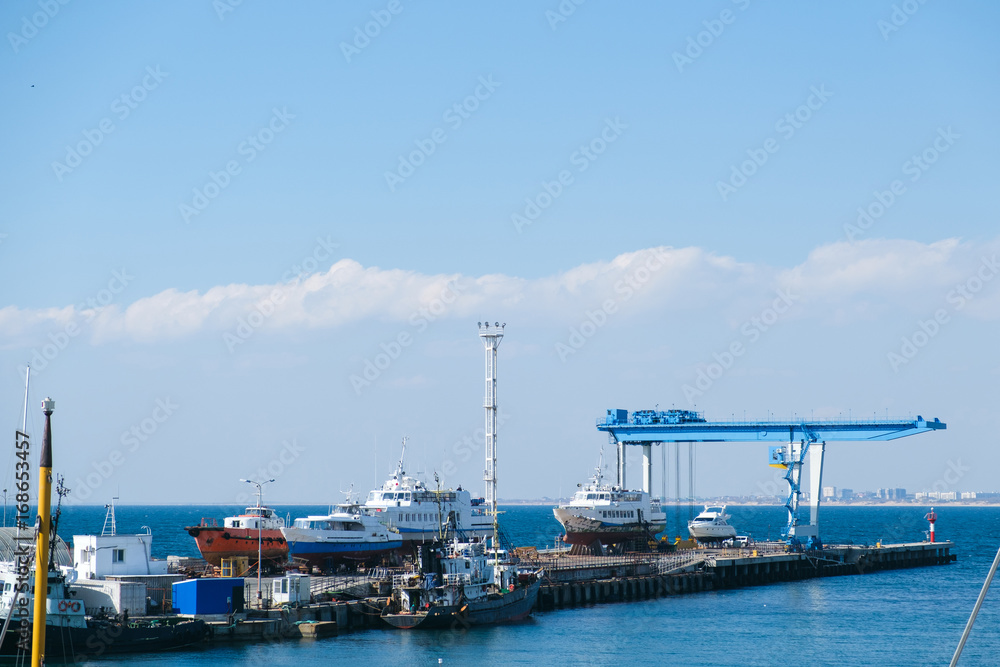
902 617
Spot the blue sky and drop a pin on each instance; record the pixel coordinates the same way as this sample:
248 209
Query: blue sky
236 171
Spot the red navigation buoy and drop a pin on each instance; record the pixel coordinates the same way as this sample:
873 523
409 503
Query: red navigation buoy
931 517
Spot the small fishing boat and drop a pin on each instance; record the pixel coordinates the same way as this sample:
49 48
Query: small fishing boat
459 584
59 628
73 635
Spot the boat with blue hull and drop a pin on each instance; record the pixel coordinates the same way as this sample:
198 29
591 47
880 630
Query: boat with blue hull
345 534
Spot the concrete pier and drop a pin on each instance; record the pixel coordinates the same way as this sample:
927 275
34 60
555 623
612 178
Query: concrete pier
572 581
643 577
314 621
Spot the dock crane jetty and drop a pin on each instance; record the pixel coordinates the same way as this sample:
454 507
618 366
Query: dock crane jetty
802 440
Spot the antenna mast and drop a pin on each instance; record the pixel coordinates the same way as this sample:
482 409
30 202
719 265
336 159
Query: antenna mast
24 418
491 340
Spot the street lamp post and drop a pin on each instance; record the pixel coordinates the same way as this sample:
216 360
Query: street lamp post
260 527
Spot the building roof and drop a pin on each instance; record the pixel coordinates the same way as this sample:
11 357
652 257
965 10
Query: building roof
8 546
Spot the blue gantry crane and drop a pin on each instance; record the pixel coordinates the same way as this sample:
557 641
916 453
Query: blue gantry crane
801 440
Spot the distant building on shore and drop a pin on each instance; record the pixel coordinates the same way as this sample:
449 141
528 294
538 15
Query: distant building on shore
936 495
980 495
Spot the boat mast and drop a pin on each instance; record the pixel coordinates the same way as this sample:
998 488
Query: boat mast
491 339
24 430
42 546
437 497
61 491
975 610
24 418
402 455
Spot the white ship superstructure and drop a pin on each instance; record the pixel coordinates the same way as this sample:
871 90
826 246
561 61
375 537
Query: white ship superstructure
405 504
610 515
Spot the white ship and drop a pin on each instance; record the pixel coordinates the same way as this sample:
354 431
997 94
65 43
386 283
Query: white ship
610 515
419 514
711 525
346 534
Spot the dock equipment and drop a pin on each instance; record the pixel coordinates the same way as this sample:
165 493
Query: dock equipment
801 439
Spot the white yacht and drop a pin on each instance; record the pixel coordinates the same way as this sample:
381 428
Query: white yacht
711 526
609 514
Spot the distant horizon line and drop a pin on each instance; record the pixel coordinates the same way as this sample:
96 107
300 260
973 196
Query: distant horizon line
860 502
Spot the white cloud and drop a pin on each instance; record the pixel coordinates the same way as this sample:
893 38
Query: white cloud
865 279
839 281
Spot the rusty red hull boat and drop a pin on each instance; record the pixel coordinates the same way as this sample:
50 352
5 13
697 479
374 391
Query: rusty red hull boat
242 535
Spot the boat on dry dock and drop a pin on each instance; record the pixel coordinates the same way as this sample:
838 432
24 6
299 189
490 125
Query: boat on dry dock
405 504
608 514
345 534
241 535
711 525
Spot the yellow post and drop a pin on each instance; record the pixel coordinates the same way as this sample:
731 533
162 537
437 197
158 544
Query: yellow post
42 547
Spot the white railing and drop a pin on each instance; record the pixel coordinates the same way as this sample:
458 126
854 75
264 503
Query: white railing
457 579
667 564
404 580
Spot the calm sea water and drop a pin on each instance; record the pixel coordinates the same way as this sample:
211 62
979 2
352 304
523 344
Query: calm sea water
906 617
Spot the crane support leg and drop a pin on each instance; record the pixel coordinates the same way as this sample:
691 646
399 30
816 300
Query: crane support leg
621 465
796 457
647 468
816 452
798 452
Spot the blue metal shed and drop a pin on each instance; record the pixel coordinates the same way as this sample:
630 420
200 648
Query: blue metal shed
209 595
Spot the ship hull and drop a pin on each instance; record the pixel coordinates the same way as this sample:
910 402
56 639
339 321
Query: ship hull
712 533
325 554
508 608
586 531
103 638
216 543
412 536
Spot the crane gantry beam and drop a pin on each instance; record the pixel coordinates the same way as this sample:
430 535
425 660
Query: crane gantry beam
803 437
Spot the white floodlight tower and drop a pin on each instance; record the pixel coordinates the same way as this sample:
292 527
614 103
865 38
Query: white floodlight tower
491 340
